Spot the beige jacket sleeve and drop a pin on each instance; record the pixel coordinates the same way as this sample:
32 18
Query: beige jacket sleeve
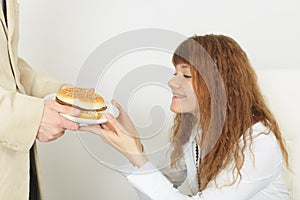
20 118
21 114
36 83
21 88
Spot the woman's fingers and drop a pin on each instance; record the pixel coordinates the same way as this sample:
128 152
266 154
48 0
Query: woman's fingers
94 128
112 123
105 127
117 105
104 133
99 129
110 126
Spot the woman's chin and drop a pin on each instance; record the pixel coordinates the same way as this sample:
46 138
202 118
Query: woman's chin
177 109
180 110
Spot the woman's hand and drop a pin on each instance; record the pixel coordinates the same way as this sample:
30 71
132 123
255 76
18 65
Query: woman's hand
125 121
122 135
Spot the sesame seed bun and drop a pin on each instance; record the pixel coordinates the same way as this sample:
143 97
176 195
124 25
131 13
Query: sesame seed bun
90 104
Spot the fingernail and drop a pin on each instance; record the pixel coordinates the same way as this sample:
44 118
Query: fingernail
109 116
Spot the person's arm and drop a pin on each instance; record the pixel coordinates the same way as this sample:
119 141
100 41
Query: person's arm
25 118
176 175
255 177
149 180
37 83
20 118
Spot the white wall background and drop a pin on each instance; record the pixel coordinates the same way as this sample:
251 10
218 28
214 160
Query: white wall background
57 37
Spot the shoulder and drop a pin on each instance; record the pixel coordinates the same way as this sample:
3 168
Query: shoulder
263 153
263 139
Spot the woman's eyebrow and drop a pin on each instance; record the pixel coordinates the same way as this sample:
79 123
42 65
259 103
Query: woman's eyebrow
183 66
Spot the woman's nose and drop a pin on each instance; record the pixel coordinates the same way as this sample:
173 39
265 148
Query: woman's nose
174 82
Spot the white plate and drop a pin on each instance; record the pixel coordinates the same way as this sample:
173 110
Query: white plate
110 109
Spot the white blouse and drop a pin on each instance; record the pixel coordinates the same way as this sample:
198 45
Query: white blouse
262 175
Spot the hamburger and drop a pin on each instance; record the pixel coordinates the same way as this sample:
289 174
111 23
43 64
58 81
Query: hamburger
90 104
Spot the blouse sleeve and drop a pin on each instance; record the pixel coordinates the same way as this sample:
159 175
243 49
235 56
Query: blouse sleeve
255 177
150 181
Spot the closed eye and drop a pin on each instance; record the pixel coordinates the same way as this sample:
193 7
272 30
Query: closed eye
184 75
187 76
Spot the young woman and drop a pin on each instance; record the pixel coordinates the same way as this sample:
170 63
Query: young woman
225 140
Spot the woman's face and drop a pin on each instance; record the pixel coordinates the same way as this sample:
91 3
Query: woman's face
184 99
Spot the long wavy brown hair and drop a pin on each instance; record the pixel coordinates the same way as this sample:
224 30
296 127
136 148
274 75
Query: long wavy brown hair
218 64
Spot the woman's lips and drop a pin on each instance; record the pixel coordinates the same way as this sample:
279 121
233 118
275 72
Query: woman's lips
178 96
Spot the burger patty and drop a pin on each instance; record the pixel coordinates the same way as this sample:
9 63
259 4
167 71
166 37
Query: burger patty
77 107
